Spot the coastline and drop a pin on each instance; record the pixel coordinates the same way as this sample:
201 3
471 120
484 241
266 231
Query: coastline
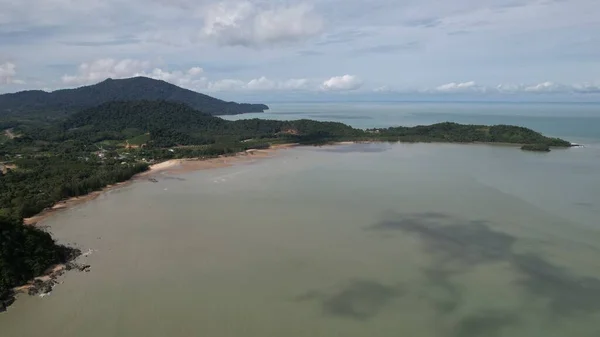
42 285
172 166
185 165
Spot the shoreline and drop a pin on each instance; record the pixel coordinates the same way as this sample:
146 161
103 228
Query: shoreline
173 166
185 165
43 284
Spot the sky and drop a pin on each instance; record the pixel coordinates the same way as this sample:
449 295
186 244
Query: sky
320 49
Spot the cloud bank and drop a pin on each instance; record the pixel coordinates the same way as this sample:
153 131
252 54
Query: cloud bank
195 78
247 24
532 47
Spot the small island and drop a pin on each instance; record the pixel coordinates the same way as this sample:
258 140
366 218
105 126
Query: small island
48 159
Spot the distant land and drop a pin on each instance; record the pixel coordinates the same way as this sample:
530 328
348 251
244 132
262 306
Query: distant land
61 103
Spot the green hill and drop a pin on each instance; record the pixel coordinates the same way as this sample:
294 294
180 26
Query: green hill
60 103
163 119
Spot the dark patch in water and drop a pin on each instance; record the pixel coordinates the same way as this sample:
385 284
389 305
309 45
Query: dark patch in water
469 242
584 204
359 300
444 294
359 147
459 245
484 324
568 294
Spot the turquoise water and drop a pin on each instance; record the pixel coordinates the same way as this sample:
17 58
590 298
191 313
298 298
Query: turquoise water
439 240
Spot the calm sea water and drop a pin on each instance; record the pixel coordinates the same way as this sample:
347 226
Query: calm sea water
436 240
580 121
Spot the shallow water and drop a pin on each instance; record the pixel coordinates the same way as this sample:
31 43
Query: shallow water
354 240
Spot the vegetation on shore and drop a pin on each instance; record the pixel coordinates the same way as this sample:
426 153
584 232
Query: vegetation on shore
25 252
57 158
536 147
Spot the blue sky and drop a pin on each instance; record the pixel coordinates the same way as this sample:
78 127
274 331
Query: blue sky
292 49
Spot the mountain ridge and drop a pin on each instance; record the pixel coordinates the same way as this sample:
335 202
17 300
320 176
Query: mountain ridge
63 102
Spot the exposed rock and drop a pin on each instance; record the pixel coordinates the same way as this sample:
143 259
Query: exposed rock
41 287
80 267
5 303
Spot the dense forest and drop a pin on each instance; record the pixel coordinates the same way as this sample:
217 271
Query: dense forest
56 104
46 160
25 252
459 133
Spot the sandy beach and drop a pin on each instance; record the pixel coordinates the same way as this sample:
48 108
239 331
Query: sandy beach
172 166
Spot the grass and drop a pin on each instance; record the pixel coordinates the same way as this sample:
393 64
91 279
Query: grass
139 140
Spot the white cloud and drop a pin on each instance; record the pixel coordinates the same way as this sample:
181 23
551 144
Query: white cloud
99 70
226 85
260 84
510 88
342 83
264 83
458 87
194 78
247 24
8 71
195 71
546 87
188 79
587 88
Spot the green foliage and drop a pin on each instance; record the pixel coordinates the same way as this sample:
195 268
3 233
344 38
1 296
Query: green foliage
536 147
40 182
139 140
173 124
25 252
459 133
521 135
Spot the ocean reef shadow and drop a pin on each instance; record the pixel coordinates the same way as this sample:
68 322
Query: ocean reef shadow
359 300
457 246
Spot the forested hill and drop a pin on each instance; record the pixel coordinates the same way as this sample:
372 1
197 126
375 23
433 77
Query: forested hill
63 102
120 120
171 124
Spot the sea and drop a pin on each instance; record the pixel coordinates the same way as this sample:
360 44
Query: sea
415 240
